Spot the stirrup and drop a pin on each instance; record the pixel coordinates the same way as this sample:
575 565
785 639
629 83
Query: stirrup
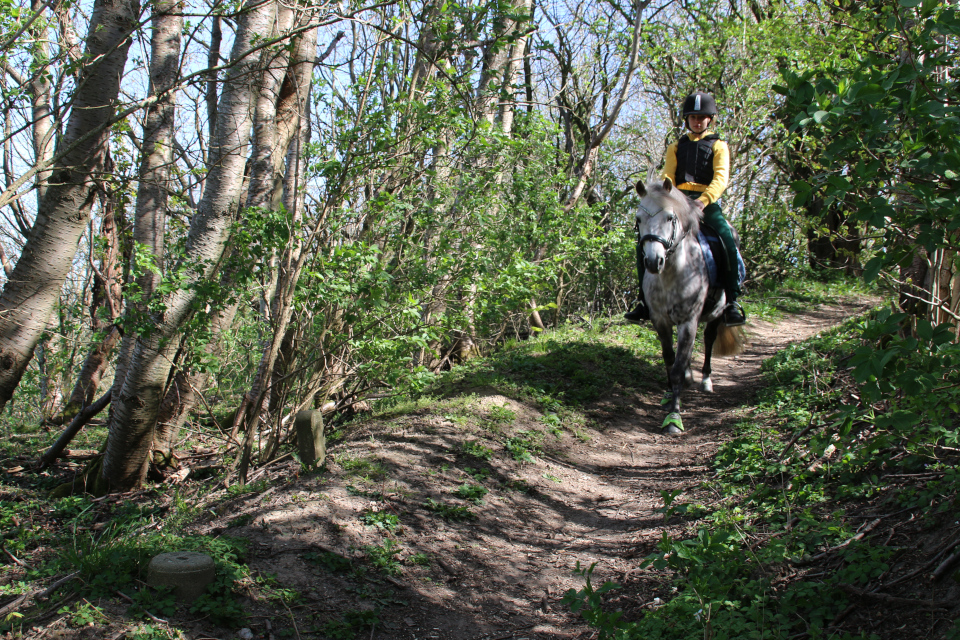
734 315
639 313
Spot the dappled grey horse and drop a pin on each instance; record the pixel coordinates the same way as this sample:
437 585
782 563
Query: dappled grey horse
676 286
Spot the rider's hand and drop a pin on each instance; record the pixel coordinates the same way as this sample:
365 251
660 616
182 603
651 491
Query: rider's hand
698 203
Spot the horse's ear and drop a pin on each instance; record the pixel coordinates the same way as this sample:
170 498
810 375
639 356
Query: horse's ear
641 188
667 184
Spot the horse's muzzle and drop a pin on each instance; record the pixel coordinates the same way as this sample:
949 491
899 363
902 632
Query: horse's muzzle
654 264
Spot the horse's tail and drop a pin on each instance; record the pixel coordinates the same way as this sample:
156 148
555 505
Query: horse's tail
730 341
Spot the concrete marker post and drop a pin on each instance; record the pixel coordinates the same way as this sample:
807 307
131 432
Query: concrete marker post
311 443
189 572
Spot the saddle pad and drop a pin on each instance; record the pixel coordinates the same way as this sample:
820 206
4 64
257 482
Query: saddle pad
713 272
710 246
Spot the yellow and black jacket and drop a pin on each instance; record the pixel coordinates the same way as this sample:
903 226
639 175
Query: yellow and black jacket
699 163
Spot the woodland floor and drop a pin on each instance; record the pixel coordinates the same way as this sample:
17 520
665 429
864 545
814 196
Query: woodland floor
586 497
502 576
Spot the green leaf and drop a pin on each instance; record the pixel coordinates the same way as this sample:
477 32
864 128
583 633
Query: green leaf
870 93
910 4
898 420
820 116
872 269
802 191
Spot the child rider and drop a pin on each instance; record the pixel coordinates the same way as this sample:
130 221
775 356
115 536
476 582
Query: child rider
699 165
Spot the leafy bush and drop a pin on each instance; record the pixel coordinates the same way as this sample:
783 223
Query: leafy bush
384 557
472 492
381 520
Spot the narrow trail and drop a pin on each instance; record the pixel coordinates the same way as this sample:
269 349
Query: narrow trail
502 576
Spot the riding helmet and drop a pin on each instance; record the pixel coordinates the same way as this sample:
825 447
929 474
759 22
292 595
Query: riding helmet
699 103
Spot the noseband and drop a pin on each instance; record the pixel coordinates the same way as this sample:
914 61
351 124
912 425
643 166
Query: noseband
669 245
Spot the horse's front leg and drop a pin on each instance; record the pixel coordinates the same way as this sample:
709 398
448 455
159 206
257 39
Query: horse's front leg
666 347
709 337
686 334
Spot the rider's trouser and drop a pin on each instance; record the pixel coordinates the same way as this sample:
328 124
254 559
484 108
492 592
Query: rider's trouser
713 216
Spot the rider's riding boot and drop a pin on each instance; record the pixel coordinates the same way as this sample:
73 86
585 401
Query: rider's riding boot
640 313
733 313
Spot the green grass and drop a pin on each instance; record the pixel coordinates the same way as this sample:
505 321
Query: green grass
561 373
332 562
108 546
773 300
384 557
475 449
523 446
854 404
454 513
364 468
352 624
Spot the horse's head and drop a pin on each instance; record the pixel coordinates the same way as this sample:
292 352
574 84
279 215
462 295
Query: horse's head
664 217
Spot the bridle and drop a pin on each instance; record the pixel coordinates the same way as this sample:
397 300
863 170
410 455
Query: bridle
669 245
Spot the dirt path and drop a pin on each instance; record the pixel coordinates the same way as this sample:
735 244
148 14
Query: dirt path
502 575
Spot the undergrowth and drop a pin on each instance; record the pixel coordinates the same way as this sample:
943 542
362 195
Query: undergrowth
564 374
855 435
105 553
773 299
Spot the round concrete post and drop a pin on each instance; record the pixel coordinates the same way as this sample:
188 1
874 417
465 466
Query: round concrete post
311 443
189 572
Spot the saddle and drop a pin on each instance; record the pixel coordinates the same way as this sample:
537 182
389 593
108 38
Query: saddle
716 259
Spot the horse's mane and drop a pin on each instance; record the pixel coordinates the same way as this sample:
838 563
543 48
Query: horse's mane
665 191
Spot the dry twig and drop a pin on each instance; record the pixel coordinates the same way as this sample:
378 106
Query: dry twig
895 601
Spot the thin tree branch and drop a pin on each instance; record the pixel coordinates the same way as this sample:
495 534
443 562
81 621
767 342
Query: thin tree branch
71 431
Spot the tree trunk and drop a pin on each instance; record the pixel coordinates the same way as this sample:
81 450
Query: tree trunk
213 60
136 406
31 293
43 130
913 296
182 394
104 304
835 246
156 157
89 377
289 118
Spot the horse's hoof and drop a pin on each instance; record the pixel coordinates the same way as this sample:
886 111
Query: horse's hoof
668 400
672 423
706 385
